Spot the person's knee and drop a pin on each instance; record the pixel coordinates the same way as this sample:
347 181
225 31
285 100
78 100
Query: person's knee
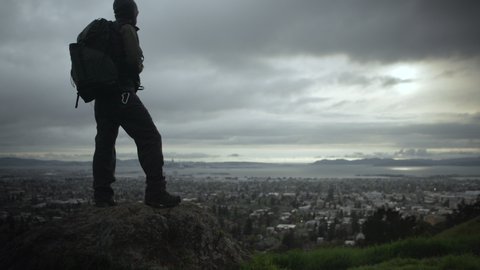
105 139
151 137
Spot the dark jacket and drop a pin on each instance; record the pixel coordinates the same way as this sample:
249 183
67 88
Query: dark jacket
129 55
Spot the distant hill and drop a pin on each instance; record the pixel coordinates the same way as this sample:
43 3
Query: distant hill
24 162
127 236
475 161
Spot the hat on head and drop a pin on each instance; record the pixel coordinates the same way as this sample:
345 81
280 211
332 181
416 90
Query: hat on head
124 9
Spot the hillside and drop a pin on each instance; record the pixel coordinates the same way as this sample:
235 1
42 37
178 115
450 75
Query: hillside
128 236
467 229
456 248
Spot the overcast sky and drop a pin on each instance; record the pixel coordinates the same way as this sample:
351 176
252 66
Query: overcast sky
257 80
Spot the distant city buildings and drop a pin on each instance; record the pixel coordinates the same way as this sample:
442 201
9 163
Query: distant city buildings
262 212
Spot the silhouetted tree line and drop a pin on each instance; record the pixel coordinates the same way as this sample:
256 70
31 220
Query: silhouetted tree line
463 213
387 225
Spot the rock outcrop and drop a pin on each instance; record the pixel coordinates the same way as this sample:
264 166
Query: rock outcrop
128 236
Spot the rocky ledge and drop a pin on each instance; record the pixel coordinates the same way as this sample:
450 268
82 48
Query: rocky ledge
127 236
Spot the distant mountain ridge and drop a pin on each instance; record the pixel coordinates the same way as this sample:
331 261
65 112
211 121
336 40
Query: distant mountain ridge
470 161
30 162
27 162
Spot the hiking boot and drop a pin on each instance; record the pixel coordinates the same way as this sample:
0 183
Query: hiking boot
156 194
161 199
103 197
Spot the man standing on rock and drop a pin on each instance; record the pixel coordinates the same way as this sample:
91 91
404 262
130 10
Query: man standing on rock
126 110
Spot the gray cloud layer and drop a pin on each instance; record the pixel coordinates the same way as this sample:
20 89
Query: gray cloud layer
366 30
209 79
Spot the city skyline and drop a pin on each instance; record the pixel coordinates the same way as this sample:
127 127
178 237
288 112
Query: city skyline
270 81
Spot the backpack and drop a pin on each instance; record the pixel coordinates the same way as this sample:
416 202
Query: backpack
94 72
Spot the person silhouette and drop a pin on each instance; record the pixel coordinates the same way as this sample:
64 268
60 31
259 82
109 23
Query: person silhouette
124 109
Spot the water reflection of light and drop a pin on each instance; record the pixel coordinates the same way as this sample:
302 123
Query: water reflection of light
408 168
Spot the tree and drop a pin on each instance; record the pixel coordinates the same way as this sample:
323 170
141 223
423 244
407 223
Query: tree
387 225
289 240
248 228
330 196
322 229
355 225
463 213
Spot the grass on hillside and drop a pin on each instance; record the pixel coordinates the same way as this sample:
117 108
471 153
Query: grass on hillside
468 228
464 262
452 249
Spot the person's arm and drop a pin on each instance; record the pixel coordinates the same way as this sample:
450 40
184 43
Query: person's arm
133 52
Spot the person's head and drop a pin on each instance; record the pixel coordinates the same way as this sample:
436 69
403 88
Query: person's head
126 11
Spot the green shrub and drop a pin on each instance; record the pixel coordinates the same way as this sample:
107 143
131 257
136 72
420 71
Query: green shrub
261 262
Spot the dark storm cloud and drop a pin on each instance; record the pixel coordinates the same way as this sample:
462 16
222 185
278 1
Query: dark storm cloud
372 30
34 67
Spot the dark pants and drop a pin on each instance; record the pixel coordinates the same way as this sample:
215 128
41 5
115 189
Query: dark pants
110 114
